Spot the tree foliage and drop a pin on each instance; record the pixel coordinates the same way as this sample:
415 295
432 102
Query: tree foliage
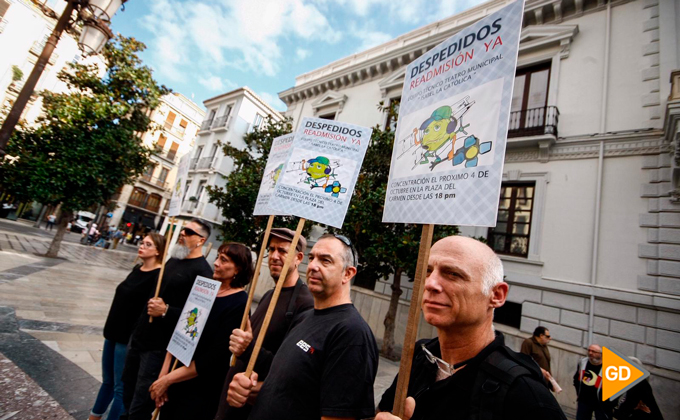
237 199
87 143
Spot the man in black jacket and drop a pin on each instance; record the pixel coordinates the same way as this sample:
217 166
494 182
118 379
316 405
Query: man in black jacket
467 371
146 351
293 300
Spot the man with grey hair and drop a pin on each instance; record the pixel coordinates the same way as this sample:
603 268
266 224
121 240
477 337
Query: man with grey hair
467 369
326 365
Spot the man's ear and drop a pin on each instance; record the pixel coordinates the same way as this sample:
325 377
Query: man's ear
299 257
350 272
498 295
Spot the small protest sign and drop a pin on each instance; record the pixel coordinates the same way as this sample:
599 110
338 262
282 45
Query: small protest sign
193 318
175 205
272 173
321 170
449 148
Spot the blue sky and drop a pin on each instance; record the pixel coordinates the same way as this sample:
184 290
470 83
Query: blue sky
204 48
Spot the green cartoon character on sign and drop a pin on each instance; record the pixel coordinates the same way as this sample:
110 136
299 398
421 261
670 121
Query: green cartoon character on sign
191 327
318 170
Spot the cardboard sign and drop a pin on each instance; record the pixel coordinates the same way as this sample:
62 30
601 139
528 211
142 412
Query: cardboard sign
321 170
272 173
191 322
447 161
180 185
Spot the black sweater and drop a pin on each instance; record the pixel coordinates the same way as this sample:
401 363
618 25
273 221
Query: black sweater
178 278
128 303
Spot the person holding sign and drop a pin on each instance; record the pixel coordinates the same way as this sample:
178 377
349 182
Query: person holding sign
128 303
326 365
146 351
467 369
193 392
294 299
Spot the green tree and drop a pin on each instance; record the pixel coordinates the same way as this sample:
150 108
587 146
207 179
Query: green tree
237 199
384 248
87 143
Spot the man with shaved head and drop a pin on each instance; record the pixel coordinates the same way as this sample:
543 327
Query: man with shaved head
588 384
467 371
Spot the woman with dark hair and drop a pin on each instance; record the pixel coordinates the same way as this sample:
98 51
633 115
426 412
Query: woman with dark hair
128 304
193 392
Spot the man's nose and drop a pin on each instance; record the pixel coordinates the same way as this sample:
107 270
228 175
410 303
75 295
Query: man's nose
432 282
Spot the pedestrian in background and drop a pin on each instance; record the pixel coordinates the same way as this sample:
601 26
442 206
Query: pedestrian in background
588 384
50 221
536 346
638 403
128 304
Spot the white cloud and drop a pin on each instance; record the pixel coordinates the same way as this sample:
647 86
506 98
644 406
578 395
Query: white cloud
302 53
371 39
273 101
215 83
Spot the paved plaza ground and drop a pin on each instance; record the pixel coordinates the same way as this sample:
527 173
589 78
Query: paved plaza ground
52 312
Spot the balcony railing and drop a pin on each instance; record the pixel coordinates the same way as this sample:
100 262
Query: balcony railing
170 155
206 125
154 181
194 163
221 122
205 163
534 122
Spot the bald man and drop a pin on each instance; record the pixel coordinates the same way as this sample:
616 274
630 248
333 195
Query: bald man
588 384
467 369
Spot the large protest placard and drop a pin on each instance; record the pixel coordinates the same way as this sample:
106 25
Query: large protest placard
321 170
272 172
193 318
180 184
447 161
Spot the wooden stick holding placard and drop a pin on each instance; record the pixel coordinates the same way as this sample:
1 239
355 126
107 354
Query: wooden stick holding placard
253 282
157 411
412 323
275 298
165 255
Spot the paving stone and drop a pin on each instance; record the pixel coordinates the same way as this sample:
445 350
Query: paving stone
541 312
668 339
562 300
615 310
627 331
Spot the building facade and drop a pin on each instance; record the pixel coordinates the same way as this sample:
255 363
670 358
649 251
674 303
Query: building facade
589 221
143 204
228 118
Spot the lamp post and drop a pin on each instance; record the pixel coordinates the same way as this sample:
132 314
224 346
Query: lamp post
95 16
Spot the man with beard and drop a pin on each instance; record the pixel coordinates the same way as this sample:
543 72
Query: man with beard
293 300
588 384
146 351
326 365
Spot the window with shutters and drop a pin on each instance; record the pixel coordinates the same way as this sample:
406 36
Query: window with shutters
172 153
513 227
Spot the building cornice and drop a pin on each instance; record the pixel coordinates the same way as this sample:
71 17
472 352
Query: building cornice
245 91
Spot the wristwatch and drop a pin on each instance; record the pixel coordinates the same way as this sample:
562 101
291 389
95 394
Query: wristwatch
166 310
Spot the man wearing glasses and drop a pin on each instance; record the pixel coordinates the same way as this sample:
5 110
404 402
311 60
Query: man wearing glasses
327 363
467 371
146 351
588 384
536 346
293 300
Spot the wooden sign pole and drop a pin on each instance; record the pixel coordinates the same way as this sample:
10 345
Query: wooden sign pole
275 298
157 411
413 320
256 276
168 239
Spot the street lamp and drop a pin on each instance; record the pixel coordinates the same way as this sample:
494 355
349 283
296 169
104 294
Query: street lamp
95 16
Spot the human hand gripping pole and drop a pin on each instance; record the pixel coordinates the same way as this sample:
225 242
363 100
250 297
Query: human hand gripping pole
253 282
275 297
412 323
165 258
157 411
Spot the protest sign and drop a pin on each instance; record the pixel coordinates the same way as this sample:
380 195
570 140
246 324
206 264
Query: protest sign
180 184
321 170
193 318
449 148
272 173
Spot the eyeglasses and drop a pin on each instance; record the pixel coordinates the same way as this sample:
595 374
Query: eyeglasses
444 367
547 336
190 232
147 245
345 240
